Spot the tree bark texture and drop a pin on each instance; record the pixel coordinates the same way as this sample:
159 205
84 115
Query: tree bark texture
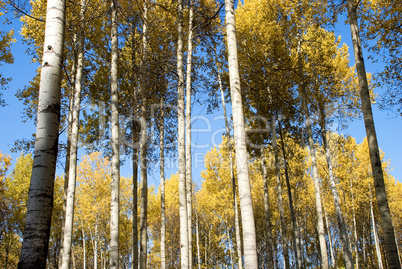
184 248
189 183
246 205
343 234
317 188
72 172
143 146
229 144
391 252
162 186
40 198
114 214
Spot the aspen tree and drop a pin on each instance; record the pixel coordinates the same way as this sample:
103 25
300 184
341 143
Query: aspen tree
296 234
347 254
283 226
391 252
143 142
114 215
40 200
246 205
188 130
67 165
181 142
162 185
229 145
320 220
68 226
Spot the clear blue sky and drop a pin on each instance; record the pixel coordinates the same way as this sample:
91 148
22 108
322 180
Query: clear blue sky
210 127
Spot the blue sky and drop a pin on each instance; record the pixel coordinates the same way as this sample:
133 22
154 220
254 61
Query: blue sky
207 129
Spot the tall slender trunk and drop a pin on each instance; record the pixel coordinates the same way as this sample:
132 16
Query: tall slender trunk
184 247
134 263
391 252
67 163
143 146
331 248
198 241
95 248
162 185
317 188
72 254
114 214
283 229
230 247
267 212
356 238
296 239
246 204
72 171
135 138
229 145
84 249
188 131
354 224
206 252
343 234
377 243
40 197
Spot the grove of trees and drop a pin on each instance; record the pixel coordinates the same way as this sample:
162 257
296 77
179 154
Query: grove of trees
284 189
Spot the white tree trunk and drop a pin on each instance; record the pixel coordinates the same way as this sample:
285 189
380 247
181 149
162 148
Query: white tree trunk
331 248
376 240
72 171
67 163
114 214
354 225
246 204
162 185
317 188
189 183
184 248
135 139
40 198
95 248
143 147
84 249
229 144
198 241
347 254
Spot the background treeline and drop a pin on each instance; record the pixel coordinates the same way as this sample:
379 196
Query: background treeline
213 219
